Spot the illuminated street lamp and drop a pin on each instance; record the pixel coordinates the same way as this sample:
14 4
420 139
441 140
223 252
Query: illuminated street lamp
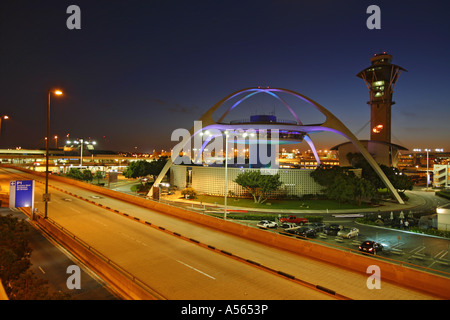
226 176
82 142
46 195
5 117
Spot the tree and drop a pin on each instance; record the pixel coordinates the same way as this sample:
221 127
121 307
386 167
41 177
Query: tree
400 181
341 189
258 185
342 185
74 173
363 189
87 175
155 167
137 169
143 168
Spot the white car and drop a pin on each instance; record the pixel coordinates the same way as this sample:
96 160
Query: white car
266 224
348 233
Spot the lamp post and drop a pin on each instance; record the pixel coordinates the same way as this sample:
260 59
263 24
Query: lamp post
5 117
226 176
81 142
46 195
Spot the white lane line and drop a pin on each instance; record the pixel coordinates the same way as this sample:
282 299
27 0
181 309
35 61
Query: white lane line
205 274
42 270
74 209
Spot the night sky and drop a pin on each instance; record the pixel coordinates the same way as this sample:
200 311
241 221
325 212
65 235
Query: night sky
138 70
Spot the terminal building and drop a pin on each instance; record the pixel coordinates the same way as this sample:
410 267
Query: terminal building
209 178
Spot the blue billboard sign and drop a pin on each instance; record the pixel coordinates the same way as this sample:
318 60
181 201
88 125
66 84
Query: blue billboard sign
21 194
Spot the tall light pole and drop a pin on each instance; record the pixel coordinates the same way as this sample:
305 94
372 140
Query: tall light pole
46 195
5 117
81 153
226 176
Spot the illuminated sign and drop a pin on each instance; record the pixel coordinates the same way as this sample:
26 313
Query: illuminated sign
378 128
21 194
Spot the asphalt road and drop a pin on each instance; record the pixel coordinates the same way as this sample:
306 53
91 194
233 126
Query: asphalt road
49 261
178 269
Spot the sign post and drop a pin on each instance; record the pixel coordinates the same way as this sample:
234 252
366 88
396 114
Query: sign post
21 194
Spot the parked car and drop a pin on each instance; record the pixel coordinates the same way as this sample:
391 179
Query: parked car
332 229
294 219
286 225
266 224
370 247
317 226
348 233
306 232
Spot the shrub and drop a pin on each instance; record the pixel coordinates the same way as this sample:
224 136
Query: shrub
190 192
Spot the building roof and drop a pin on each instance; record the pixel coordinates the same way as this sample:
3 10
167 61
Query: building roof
371 141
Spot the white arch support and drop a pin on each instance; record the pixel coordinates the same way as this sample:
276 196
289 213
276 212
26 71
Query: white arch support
331 124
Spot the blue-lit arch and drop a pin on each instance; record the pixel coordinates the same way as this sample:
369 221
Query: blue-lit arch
331 124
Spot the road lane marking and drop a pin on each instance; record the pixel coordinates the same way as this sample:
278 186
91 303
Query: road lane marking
74 209
205 274
42 270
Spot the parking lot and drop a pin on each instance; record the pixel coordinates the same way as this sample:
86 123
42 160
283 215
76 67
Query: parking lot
401 247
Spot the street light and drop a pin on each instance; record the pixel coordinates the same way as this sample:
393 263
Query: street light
82 142
5 117
46 195
226 176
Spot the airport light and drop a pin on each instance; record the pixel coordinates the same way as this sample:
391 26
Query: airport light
81 142
46 195
5 117
226 177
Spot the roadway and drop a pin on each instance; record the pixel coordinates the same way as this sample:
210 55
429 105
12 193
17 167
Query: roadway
181 270
49 261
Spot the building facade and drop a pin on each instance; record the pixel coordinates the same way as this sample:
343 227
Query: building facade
441 175
211 180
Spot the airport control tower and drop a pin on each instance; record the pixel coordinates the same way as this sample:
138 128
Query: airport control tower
381 78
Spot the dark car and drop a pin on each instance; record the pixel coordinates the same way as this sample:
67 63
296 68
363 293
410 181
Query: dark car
306 232
332 229
370 247
317 226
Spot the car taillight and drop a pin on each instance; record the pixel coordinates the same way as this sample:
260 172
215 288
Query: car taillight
370 249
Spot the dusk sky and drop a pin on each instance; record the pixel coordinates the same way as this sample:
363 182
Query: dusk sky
137 70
